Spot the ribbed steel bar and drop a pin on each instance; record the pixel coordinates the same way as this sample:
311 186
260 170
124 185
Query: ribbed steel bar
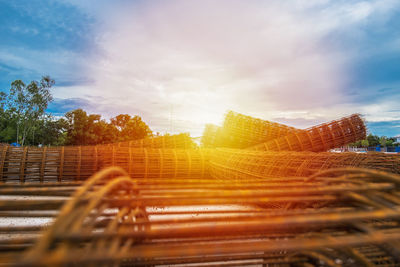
242 131
319 138
33 164
180 141
249 164
335 216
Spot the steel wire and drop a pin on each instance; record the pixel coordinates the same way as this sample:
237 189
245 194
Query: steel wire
354 223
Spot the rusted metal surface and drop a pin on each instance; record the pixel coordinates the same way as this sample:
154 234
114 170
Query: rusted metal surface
180 141
242 131
247 164
337 217
33 164
319 138
203 207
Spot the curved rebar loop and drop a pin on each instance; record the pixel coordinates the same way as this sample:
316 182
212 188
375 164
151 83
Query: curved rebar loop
357 216
88 203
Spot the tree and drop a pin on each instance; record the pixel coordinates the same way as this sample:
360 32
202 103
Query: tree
373 140
356 144
389 142
364 143
130 128
50 131
27 104
7 122
88 129
382 140
78 129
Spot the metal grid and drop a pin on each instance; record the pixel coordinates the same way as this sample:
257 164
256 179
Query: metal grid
242 131
248 164
342 216
29 164
319 138
182 141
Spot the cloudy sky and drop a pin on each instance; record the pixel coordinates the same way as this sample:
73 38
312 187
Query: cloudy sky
181 64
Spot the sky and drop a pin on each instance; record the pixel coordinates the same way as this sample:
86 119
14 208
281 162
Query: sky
180 64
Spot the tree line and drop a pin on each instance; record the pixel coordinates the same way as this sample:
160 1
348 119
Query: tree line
24 120
374 140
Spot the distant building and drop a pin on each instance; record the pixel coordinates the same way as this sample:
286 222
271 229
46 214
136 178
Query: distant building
397 139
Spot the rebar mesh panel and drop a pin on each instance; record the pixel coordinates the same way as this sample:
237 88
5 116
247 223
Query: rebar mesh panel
245 164
183 141
155 163
241 131
113 219
71 163
319 138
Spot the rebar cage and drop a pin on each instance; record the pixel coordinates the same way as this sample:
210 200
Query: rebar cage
283 201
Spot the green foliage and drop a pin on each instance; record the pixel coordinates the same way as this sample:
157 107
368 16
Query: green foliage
23 119
382 140
390 142
356 144
130 128
373 140
364 143
25 105
84 129
90 129
50 131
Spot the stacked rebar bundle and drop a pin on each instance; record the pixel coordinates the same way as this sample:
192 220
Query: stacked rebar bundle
242 131
245 164
30 164
170 204
156 163
181 141
319 138
340 216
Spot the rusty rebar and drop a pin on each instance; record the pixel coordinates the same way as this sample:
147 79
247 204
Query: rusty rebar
245 164
242 131
319 138
30 164
178 141
112 219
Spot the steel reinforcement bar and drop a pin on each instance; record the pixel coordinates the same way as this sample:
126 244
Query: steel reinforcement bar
180 141
248 164
242 131
50 164
338 216
319 138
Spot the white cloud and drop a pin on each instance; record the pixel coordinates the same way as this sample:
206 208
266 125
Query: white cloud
190 61
202 58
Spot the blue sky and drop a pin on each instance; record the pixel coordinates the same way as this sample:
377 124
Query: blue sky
180 64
